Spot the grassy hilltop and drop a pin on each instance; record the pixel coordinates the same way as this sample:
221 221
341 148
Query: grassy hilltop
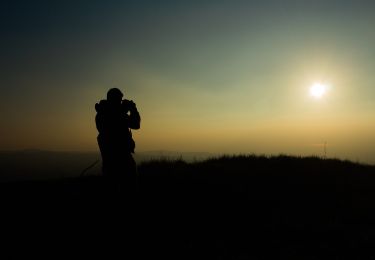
259 207
231 207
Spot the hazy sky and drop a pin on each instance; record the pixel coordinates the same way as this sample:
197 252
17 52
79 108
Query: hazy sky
212 76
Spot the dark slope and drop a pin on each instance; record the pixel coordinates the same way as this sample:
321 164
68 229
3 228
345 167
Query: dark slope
243 207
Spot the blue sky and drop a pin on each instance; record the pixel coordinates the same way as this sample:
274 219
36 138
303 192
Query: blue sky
217 76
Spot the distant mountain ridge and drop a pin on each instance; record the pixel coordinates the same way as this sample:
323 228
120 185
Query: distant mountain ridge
35 164
165 154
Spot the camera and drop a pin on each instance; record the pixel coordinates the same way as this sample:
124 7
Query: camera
127 105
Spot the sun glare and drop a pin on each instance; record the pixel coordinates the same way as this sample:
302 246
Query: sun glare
317 90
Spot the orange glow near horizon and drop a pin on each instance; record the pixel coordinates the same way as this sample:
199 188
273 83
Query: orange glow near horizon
226 78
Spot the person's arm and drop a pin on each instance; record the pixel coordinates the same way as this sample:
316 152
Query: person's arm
134 118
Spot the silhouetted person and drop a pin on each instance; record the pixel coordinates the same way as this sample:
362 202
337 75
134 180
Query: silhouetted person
114 119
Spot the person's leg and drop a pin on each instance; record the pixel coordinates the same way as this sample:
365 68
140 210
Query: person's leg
130 177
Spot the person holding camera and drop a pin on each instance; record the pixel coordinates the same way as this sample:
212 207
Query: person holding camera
114 119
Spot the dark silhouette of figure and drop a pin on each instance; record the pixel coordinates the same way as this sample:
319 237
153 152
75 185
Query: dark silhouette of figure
114 120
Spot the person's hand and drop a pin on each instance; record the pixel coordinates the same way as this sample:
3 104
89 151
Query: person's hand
132 105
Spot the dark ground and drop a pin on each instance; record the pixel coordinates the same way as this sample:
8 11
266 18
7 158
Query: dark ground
244 207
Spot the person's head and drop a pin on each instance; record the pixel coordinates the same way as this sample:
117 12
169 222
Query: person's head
114 95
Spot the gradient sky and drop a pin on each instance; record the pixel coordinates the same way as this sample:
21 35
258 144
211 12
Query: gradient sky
211 76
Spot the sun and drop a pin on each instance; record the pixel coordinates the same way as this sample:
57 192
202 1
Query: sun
317 90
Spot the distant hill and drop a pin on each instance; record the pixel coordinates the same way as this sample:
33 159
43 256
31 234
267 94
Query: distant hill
39 164
172 155
33 164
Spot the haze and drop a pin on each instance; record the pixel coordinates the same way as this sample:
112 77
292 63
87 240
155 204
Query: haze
229 77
